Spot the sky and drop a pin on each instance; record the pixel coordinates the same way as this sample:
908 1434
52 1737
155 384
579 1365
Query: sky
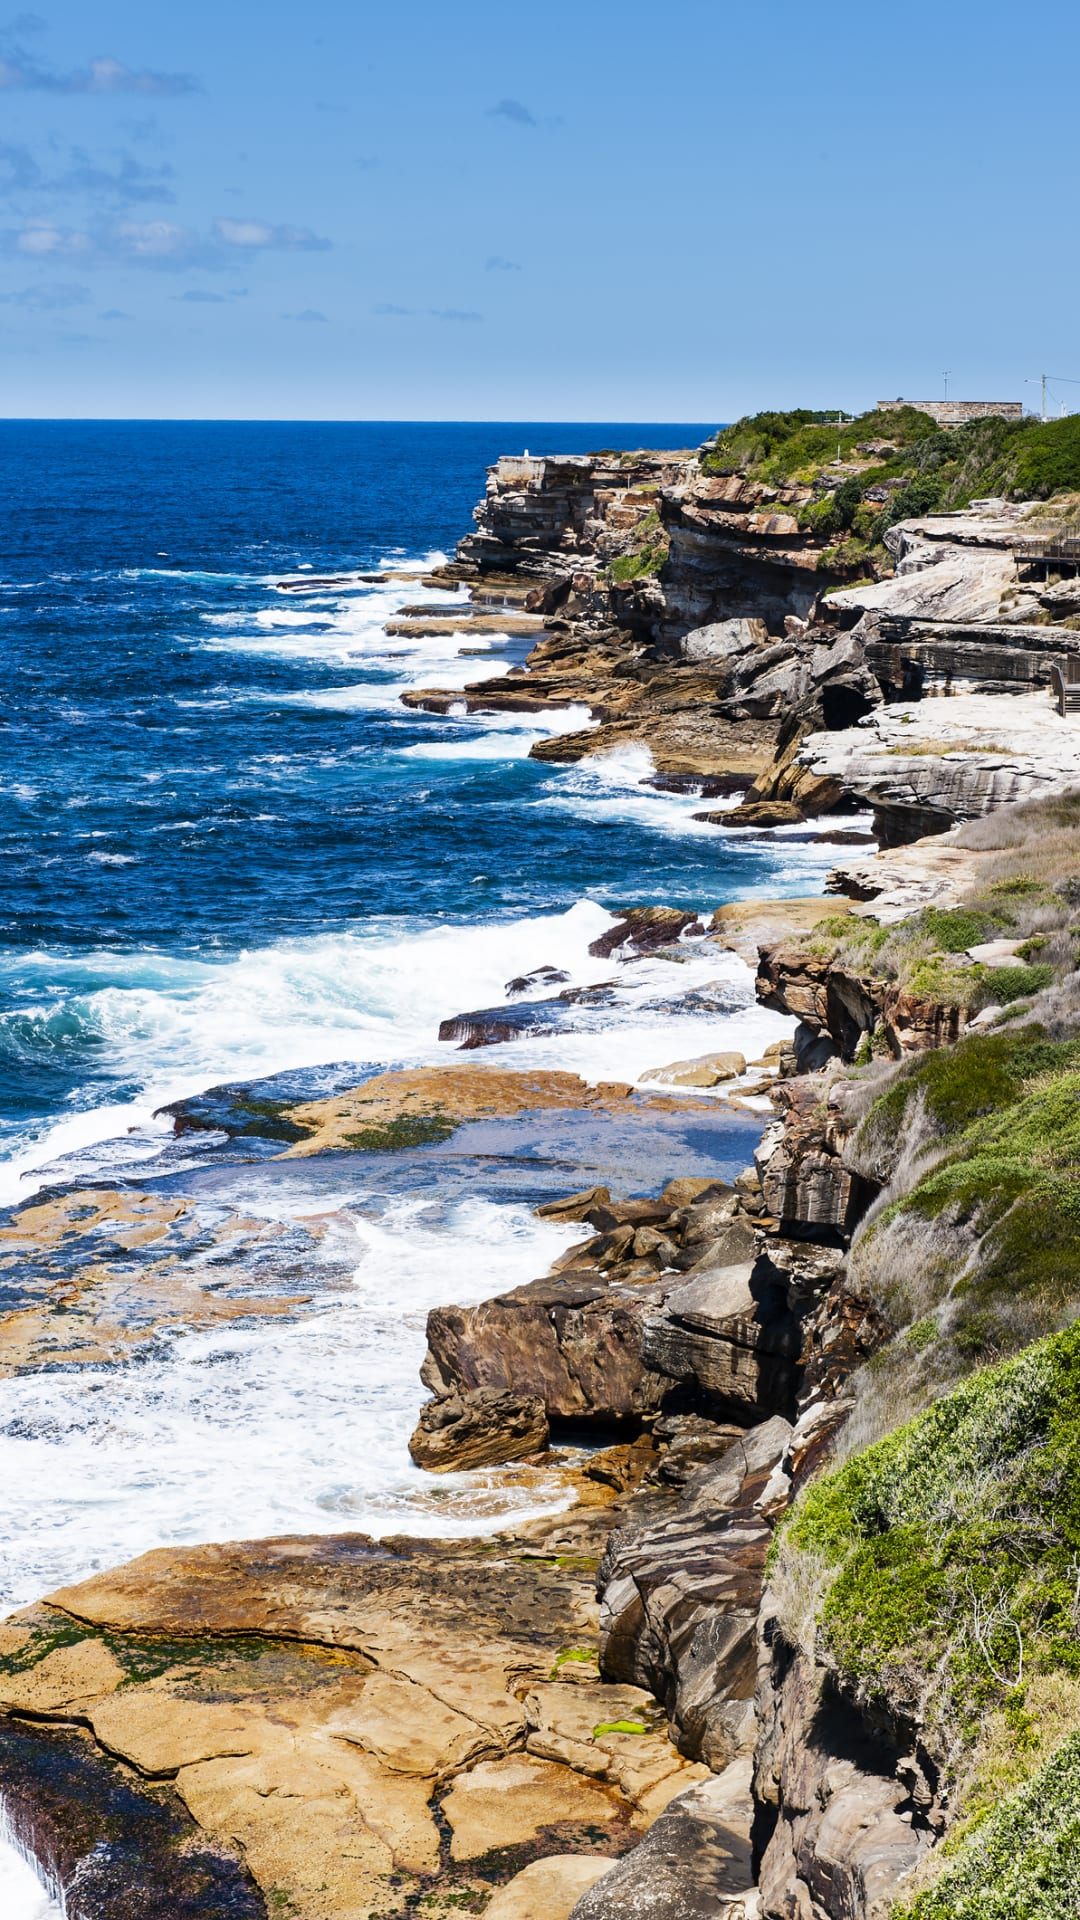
587 210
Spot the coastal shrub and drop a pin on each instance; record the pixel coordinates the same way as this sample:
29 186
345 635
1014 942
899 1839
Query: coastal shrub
648 555
1003 984
953 1547
954 929
976 1234
776 446
921 494
1021 1860
637 566
1047 457
942 469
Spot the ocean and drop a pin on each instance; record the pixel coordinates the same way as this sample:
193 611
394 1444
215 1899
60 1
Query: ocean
231 853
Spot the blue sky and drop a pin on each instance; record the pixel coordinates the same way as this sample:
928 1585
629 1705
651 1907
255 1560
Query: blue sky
582 210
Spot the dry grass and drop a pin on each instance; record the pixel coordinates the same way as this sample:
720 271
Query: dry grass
797 1585
936 749
1031 824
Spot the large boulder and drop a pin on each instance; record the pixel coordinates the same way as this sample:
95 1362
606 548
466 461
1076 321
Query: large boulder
732 1334
694 1863
479 1429
571 1342
724 640
707 1070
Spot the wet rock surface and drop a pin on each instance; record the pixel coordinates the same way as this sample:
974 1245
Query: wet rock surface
120 1848
363 1723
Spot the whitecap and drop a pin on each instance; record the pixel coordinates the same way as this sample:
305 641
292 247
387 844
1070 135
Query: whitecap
24 1894
172 1026
98 1463
505 737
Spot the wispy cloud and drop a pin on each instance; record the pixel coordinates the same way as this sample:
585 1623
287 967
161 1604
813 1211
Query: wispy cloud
308 315
515 111
20 71
388 309
115 313
202 297
154 243
54 296
126 182
496 264
256 234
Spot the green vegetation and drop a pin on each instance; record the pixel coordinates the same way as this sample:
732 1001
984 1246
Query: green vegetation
774 447
408 1130
951 1550
1023 1858
939 468
618 1726
648 555
936 1568
925 954
986 1232
904 466
585 1656
266 1119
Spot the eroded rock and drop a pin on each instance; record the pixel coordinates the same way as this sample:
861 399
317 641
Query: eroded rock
695 1863
478 1429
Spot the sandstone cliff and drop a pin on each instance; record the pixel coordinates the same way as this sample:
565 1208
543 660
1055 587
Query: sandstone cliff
702 610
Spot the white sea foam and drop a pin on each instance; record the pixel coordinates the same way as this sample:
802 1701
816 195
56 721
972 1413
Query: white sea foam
23 1894
283 1427
174 1025
505 736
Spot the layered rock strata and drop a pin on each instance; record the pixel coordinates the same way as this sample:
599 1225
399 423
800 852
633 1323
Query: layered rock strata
695 613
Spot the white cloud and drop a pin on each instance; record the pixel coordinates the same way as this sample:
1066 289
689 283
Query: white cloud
153 243
259 234
19 71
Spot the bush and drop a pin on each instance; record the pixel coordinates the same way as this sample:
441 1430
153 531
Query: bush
1023 1860
952 1546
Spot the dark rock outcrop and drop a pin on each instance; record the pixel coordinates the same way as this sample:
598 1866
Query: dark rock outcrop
478 1429
841 1799
695 1862
116 1845
679 1599
644 929
838 1007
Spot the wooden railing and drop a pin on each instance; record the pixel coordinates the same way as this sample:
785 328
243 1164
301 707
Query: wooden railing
1065 679
1063 545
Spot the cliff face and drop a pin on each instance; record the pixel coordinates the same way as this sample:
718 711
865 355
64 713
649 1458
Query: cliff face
705 614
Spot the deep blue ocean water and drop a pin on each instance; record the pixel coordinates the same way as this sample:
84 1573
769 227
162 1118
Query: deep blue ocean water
231 853
222 832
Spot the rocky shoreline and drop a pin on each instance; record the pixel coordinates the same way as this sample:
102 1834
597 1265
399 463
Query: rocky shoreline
628 1708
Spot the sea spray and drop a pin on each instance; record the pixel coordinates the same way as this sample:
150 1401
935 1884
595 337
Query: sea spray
29 1889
